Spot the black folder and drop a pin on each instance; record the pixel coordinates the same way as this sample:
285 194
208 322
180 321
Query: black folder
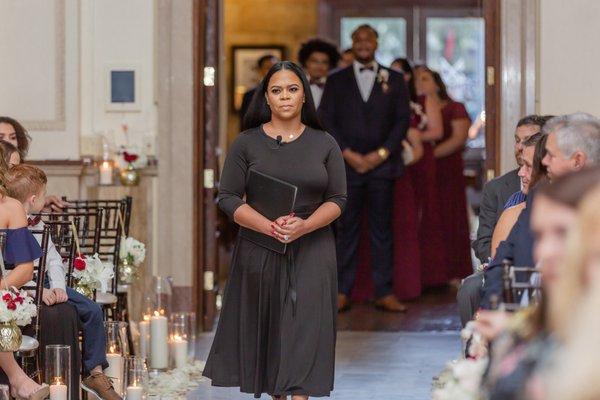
272 198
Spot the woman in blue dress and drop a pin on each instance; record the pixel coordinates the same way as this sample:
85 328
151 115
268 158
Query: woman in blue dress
20 250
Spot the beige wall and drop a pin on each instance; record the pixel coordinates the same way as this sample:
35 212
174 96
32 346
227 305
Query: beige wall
265 22
57 53
568 56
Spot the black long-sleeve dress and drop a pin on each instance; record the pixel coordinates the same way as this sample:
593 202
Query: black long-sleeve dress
277 329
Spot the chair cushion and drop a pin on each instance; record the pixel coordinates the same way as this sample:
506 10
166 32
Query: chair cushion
105 298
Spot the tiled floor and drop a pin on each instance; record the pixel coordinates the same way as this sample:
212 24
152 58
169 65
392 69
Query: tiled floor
379 355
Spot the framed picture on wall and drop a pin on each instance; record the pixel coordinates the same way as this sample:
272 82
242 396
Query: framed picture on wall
245 69
123 89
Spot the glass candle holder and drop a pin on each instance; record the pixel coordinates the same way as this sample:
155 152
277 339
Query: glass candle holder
136 382
58 371
114 354
178 344
5 392
143 350
162 292
185 325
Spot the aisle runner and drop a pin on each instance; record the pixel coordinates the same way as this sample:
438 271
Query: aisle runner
177 383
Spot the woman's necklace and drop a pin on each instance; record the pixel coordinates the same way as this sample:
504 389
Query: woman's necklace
291 136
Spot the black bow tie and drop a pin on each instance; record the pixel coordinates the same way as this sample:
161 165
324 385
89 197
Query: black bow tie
367 68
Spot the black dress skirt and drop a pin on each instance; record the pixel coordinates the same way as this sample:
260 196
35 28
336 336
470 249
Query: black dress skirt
277 329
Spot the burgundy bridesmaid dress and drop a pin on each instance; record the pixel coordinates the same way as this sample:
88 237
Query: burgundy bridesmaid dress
451 185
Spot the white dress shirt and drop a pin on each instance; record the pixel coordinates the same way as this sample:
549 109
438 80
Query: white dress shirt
55 268
365 79
317 94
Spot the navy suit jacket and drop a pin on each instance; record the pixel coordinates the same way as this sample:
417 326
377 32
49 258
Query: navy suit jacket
381 121
518 248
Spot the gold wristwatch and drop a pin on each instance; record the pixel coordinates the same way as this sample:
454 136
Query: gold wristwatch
383 153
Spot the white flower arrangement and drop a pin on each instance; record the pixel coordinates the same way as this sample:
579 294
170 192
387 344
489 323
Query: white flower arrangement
16 306
133 250
418 110
461 380
93 272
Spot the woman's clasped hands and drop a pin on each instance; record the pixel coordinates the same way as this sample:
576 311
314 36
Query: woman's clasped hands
288 228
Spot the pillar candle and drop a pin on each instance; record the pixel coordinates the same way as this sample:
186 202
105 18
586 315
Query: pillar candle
144 336
115 371
159 348
180 349
58 391
135 393
106 173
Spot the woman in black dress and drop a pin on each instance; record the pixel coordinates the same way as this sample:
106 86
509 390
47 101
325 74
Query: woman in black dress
277 329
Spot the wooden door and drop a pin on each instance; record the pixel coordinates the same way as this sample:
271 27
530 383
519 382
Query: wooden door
491 15
206 17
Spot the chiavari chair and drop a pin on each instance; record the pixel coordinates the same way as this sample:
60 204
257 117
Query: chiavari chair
521 286
114 226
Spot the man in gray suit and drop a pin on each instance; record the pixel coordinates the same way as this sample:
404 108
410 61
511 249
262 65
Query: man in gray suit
495 195
497 191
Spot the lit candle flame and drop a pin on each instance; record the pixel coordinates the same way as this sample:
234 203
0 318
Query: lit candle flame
156 314
57 380
111 350
146 318
105 165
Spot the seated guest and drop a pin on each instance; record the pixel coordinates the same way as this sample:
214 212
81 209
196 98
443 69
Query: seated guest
497 191
525 343
27 184
531 172
13 132
19 252
573 143
263 65
318 57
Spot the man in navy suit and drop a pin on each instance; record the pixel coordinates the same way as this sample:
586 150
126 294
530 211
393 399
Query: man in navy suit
366 108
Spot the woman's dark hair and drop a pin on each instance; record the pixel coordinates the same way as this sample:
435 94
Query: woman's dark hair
442 89
260 113
540 172
318 46
23 137
407 68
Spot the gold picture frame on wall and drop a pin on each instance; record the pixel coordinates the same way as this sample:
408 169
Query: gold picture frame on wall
244 68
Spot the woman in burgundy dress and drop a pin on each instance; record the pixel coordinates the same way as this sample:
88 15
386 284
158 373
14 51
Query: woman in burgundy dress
451 184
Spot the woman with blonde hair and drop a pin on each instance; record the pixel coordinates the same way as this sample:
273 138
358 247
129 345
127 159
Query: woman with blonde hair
574 313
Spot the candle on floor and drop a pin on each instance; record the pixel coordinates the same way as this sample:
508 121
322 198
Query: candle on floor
115 371
106 173
144 336
180 349
135 393
58 390
159 348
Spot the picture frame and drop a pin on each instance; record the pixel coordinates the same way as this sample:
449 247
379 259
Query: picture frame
244 69
122 87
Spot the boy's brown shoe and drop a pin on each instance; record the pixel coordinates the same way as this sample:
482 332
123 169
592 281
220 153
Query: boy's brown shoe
100 385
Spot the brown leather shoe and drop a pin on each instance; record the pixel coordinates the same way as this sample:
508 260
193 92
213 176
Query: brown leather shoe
390 303
343 303
100 385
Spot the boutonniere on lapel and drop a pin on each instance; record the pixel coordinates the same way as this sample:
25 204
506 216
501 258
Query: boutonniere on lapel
382 77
